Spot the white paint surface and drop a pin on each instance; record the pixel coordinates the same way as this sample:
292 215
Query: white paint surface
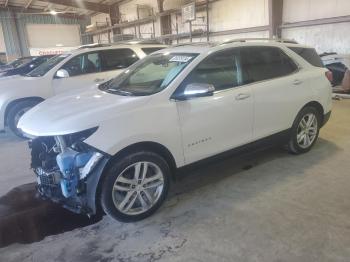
325 38
302 10
51 35
228 14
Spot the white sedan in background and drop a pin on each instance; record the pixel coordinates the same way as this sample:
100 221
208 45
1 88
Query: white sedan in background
80 68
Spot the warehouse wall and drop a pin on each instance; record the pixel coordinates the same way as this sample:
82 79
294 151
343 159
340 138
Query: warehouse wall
326 38
128 12
102 38
15 31
223 15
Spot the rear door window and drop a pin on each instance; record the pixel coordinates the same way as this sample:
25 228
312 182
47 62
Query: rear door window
262 63
113 59
309 54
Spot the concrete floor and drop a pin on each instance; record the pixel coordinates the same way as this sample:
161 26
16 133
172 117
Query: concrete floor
268 206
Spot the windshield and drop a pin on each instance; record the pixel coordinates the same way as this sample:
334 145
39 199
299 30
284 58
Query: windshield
20 61
150 75
47 66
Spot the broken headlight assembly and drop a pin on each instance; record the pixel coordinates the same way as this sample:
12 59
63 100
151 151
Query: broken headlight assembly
63 164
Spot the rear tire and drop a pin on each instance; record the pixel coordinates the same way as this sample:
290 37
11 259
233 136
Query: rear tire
15 113
135 186
305 131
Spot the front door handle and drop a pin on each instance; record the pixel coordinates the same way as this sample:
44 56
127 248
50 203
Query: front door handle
297 82
97 80
242 96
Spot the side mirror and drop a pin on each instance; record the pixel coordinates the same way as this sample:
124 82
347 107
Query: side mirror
196 90
62 73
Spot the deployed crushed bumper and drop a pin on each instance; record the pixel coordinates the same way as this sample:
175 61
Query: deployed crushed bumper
69 178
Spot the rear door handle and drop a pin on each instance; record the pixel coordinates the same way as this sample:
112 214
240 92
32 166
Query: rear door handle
99 80
242 96
297 82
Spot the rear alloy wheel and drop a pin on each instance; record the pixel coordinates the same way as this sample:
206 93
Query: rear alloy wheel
135 186
305 131
16 112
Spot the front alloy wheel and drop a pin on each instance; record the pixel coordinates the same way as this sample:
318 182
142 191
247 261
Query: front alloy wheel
138 188
135 186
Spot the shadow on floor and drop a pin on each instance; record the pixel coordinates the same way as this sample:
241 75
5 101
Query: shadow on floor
26 219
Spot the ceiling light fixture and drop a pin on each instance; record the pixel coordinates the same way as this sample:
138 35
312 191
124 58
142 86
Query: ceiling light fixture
53 12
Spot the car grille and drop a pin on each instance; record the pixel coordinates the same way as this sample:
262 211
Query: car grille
47 178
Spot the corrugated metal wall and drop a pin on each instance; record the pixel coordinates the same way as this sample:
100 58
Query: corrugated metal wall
15 35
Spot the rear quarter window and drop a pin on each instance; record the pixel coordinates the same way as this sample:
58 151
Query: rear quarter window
309 54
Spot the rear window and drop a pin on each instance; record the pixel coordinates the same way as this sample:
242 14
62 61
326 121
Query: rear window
117 58
149 50
262 63
309 54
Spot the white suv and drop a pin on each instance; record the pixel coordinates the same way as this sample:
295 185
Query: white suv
80 68
117 145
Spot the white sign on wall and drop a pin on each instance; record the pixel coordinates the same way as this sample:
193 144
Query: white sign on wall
50 35
188 12
49 50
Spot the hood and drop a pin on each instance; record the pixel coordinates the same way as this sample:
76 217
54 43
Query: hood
17 81
76 111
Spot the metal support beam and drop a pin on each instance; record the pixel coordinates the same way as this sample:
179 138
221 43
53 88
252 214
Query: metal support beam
275 18
322 21
28 4
101 8
207 12
217 33
241 30
163 24
114 15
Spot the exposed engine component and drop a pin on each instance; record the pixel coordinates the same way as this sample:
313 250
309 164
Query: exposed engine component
69 162
63 165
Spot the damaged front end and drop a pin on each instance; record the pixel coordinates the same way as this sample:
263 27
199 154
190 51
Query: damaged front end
68 170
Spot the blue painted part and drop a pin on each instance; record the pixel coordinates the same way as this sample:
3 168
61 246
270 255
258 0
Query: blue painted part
82 158
69 162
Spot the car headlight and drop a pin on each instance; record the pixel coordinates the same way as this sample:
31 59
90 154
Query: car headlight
75 140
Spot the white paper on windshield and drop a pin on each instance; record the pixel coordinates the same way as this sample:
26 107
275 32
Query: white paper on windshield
180 58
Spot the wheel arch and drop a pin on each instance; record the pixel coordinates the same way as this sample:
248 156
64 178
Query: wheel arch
149 146
13 102
136 147
317 106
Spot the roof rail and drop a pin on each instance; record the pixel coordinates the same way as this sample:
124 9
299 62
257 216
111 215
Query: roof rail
139 41
195 44
93 46
281 40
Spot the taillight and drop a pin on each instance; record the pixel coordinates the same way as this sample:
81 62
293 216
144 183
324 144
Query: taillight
329 76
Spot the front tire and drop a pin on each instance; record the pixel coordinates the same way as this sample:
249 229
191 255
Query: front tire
305 131
135 186
16 112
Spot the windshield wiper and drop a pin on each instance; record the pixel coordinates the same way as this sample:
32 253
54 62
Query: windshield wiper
122 92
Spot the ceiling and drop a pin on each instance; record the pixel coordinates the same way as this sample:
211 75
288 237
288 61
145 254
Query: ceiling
61 7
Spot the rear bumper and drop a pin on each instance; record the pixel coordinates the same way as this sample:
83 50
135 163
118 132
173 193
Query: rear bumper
326 117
